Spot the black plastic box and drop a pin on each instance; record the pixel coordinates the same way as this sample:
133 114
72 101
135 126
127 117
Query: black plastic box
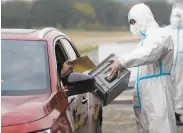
107 90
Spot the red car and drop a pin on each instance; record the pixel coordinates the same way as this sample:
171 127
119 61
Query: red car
34 97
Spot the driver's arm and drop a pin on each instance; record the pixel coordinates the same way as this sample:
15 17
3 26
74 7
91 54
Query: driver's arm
66 69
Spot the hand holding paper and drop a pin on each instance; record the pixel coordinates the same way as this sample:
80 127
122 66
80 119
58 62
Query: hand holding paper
82 64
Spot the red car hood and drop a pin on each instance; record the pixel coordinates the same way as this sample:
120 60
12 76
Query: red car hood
22 109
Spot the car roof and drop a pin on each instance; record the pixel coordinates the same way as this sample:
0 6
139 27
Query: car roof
18 30
28 34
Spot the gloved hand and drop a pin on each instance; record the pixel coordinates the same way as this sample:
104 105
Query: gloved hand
115 67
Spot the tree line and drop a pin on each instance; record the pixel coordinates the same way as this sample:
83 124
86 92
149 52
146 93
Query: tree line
74 14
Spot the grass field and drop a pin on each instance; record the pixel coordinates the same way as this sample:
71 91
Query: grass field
88 40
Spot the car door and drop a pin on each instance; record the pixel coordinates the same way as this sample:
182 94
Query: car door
61 57
78 103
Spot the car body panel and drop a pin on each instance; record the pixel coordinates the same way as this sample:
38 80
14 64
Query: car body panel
27 106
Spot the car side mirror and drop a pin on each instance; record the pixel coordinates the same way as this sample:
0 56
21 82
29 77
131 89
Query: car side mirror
79 83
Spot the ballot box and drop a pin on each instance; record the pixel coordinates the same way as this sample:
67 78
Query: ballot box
108 89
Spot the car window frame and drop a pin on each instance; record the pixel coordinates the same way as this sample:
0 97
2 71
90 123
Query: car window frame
72 46
66 48
60 83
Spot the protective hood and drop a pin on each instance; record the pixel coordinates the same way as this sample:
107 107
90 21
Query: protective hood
144 18
176 19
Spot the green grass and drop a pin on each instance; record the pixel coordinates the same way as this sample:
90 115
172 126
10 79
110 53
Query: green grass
86 49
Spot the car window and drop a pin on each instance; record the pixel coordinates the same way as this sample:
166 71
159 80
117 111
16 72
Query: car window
70 51
25 69
61 57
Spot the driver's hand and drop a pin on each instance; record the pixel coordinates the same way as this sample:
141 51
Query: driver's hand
67 68
114 68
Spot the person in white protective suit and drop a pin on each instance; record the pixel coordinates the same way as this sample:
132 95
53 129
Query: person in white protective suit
176 21
153 104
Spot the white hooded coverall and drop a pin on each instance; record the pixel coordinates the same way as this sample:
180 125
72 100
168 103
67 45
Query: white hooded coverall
153 105
176 21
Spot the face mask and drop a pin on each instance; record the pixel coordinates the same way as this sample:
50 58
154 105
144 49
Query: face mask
175 21
176 17
135 29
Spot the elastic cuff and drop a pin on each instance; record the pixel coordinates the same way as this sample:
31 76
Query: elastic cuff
122 61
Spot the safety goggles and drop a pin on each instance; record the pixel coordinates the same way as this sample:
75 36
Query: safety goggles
132 21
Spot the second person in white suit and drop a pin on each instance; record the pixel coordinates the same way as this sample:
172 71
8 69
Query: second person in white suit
176 31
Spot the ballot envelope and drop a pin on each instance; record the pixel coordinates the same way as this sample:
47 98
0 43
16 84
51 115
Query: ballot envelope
108 89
